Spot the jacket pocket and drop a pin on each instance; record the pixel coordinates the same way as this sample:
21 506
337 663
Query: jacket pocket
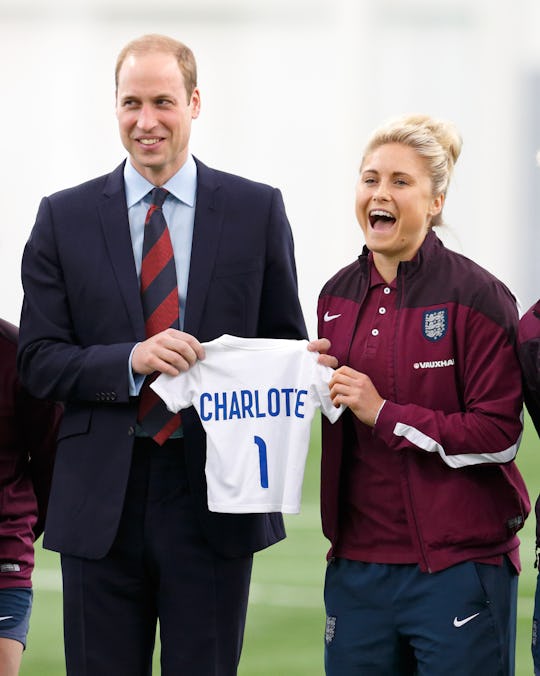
479 506
240 267
75 421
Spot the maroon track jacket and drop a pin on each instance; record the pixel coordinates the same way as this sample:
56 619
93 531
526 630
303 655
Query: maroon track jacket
28 430
529 356
455 413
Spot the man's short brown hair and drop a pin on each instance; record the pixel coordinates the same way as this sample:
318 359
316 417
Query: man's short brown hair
167 45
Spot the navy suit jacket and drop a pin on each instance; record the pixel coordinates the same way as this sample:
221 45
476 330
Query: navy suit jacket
82 315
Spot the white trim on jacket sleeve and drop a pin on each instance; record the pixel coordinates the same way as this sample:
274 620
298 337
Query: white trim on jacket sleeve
421 440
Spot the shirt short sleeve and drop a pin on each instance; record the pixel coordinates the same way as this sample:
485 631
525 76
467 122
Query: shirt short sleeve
321 378
179 391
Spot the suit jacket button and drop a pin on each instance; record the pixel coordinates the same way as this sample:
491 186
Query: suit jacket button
131 430
113 396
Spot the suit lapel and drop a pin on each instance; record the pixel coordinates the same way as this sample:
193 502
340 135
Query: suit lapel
115 225
209 213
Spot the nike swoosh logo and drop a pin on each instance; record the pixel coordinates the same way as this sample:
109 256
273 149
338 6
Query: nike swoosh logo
328 318
460 623
6 617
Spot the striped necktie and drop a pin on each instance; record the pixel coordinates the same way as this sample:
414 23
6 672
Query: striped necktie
159 294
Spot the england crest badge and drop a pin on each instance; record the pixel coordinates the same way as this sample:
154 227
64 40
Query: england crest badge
435 324
330 629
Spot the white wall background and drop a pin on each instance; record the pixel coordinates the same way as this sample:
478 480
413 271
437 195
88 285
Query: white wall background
290 91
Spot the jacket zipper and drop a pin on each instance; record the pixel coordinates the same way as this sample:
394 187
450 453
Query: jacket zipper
405 455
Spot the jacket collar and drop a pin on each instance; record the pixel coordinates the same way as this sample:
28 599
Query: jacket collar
115 227
430 246
207 227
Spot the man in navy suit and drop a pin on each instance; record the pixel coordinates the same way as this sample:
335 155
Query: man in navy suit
129 515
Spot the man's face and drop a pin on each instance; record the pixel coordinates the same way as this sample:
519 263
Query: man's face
154 114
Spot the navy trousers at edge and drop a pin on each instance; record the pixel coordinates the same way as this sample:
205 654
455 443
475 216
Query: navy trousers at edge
387 619
159 567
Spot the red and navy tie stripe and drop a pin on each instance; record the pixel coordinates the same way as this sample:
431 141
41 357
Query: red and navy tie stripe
159 294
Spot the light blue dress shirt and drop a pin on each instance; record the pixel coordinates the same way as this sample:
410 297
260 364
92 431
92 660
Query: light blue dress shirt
179 212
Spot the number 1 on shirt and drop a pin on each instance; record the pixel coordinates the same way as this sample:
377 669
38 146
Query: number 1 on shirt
263 463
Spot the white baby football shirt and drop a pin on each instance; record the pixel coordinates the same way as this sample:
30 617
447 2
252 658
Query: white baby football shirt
256 398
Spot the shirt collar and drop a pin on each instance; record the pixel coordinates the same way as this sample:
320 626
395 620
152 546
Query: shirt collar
183 185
